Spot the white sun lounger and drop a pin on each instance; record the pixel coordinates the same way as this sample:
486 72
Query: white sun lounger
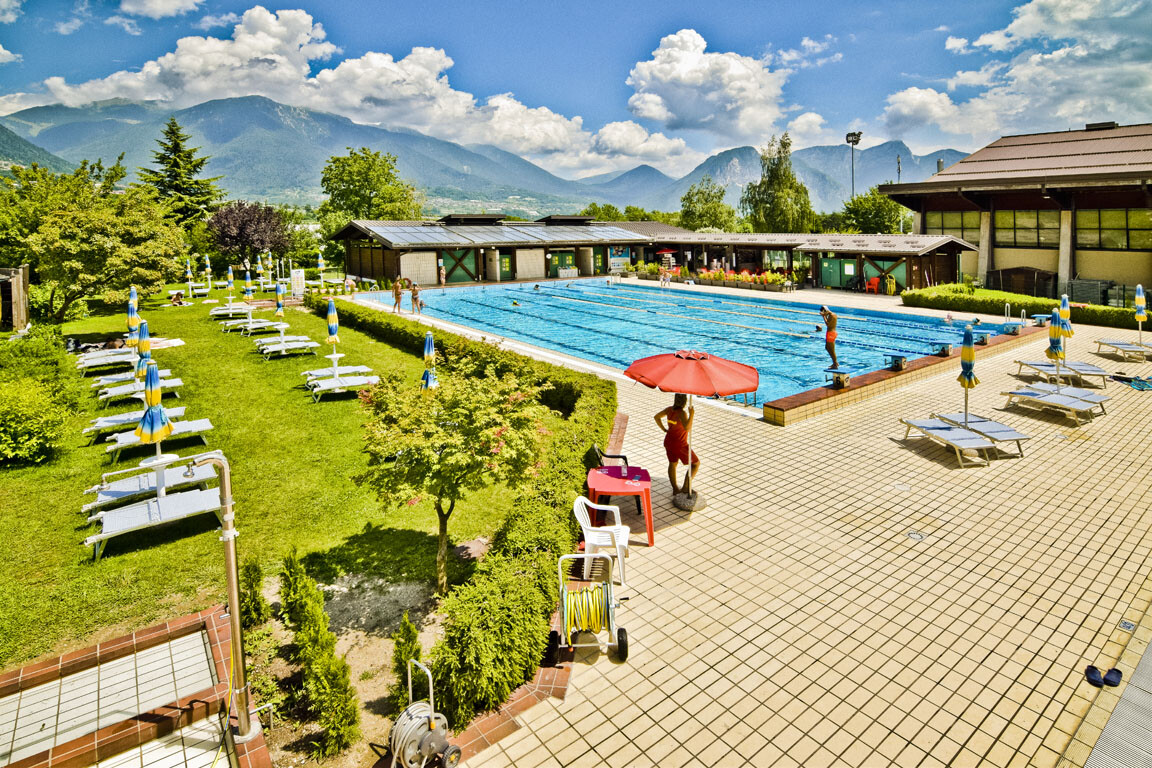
341 384
270 350
327 373
950 436
150 513
1047 370
1087 395
263 324
120 358
98 353
128 417
123 378
1070 406
1125 349
265 341
136 389
993 430
145 483
122 440
237 308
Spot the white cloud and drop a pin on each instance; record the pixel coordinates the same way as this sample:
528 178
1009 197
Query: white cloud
212 22
807 129
126 24
9 10
956 44
80 14
685 87
943 28
808 54
14 102
158 9
7 57
1074 61
275 54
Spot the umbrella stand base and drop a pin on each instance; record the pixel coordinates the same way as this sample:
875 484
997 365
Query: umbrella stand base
689 503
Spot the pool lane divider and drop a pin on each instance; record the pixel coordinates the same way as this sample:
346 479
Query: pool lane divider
710 309
693 319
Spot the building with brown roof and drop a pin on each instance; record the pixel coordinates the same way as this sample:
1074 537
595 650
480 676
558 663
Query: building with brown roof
1075 205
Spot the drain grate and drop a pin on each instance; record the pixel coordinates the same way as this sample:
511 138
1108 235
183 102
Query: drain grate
917 536
1127 626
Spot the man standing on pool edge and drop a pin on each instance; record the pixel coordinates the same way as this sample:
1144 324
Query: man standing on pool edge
830 334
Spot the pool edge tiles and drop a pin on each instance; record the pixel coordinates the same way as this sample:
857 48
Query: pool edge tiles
820 400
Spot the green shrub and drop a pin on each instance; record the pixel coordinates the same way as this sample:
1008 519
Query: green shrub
39 355
332 697
956 298
32 422
314 641
43 304
293 584
405 646
254 609
496 625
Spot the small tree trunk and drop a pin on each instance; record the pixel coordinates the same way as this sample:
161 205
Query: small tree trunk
442 550
63 308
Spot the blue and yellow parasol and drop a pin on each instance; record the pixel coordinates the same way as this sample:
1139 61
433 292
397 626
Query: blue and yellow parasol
280 299
967 377
428 379
1141 313
247 285
231 284
333 323
154 425
133 320
144 350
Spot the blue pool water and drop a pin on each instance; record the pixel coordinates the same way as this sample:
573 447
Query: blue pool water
617 324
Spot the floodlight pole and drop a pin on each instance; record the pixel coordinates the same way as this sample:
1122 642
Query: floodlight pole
902 223
228 535
853 138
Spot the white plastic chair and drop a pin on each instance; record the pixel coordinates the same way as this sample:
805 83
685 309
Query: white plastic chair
612 538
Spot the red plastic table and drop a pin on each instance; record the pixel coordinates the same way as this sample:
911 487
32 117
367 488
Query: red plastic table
623 481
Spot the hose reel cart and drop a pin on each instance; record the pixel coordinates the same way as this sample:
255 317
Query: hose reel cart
589 609
420 732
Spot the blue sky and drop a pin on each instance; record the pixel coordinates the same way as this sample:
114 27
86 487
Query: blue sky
589 87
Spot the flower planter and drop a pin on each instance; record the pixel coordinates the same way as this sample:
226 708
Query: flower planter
778 287
731 283
646 276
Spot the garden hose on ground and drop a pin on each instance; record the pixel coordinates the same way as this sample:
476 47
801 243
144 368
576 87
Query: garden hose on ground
586 610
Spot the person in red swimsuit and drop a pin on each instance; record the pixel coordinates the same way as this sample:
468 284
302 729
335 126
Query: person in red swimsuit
830 335
679 424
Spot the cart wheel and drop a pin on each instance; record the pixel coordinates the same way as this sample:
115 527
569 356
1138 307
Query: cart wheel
451 757
621 644
572 638
552 652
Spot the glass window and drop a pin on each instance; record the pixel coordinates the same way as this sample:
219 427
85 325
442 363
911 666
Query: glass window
1028 229
1049 237
1005 220
1118 228
962 224
1025 219
1048 219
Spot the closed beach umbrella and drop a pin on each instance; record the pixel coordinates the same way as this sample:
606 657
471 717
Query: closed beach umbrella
1055 351
1065 320
231 285
333 323
694 373
208 272
967 377
259 266
144 350
428 380
320 268
188 275
247 285
1141 314
133 320
279 300
154 425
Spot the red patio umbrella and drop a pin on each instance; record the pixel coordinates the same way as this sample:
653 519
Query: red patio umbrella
694 373
664 251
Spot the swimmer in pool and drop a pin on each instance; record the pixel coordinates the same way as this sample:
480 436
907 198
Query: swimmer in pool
515 303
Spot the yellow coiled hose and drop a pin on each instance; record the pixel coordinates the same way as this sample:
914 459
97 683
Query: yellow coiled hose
586 610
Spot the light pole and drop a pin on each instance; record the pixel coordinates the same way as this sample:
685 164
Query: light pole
853 138
898 181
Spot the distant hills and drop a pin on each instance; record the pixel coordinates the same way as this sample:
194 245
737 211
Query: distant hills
15 150
270 151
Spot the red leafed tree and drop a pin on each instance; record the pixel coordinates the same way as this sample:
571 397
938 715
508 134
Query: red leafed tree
244 229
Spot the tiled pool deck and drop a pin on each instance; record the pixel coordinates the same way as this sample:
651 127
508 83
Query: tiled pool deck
794 622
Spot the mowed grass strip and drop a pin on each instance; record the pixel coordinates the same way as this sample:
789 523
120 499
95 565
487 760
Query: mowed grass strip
293 465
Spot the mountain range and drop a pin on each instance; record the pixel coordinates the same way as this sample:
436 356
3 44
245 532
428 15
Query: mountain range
265 150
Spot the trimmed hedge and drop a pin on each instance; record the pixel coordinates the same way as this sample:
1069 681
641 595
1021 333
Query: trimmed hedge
496 624
955 297
39 391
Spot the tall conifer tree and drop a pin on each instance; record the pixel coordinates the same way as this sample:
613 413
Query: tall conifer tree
175 179
779 201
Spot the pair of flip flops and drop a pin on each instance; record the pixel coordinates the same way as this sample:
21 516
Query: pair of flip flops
1112 677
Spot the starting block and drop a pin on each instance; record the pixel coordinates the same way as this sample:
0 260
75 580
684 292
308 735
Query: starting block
1012 328
897 361
943 349
841 377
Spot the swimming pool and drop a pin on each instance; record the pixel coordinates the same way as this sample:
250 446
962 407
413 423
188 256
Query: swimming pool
619 323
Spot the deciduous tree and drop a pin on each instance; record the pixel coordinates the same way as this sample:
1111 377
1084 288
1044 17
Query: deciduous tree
187 197
244 229
365 185
603 212
874 213
446 442
778 202
703 206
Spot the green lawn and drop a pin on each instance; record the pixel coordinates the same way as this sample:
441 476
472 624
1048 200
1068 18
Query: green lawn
293 468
